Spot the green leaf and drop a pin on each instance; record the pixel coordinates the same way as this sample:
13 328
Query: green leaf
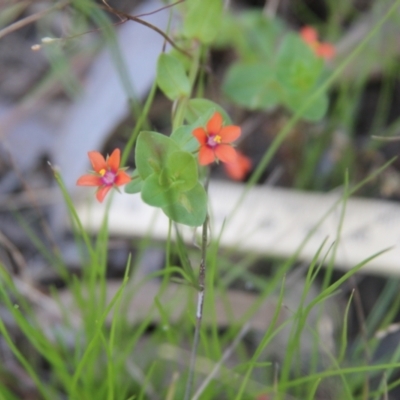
182 57
191 207
135 185
152 151
253 86
197 108
171 77
257 43
182 170
315 111
157 195
184 138
298 68
203 19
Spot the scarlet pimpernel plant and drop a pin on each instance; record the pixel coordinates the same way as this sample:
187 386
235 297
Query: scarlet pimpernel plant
322 49
172 170
215 141
239 167
106 175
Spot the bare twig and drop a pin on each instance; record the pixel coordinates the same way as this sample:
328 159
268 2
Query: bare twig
16 255
145 23
359 310
159 9
15 201
386 138
204 365
172 387
199 312
220 363
134 370
47 304
31 18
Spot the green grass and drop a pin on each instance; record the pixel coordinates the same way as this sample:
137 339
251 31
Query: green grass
91 349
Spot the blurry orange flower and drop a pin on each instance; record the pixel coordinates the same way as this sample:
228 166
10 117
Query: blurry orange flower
107 173
322 49
215 141
238 168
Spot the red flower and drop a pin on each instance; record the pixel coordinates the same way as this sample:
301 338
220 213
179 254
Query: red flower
215 141
238 168
326 50
107 173
309 35
321 49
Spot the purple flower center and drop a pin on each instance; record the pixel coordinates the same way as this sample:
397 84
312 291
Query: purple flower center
108 178
213 141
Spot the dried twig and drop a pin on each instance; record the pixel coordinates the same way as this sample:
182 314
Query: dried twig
31 18
145 23
227 353
159 9
199 312
16 255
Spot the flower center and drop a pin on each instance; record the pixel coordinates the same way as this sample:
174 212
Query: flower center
108 177
213 140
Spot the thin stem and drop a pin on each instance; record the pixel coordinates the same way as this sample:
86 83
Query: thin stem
140 122
228 352
148 24
199 311
181 105
30 19
159 9
167 275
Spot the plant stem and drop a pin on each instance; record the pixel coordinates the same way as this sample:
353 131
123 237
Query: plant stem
148 24
199 312
180 110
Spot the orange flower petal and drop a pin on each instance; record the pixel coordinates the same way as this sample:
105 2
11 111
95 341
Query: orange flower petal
97 160
309 34
114 160
102 192
230 133
206 155
122 178
89 180
326 50
238 169
200 134
225 153
214 124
